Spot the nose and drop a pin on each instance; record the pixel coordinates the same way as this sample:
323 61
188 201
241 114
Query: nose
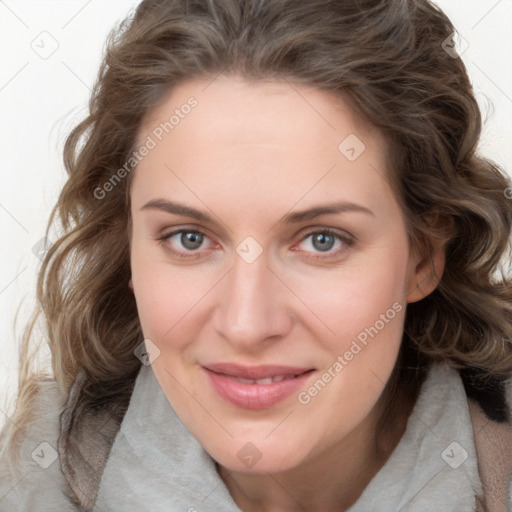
251 306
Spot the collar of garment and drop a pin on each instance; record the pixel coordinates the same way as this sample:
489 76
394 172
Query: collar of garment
156 464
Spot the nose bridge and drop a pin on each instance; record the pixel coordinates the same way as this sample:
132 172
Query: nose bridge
249 307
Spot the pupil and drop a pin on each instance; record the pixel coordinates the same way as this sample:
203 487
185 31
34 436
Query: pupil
191 240
325 242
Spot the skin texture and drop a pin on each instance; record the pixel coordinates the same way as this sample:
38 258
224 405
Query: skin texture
248 154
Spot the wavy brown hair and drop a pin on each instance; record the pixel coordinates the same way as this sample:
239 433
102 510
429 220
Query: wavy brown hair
386 58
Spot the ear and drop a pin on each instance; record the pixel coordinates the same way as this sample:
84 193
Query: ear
130 284
427 263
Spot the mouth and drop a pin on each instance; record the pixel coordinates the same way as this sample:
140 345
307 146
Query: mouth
264 381
256 387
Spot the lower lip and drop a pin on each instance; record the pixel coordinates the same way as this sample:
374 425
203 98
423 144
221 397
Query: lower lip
256 396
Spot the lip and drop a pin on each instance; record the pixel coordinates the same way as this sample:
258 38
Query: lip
253 395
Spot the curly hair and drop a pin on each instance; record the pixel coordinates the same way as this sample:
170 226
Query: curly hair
386 58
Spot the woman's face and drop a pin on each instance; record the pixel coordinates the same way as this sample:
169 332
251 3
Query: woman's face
271 269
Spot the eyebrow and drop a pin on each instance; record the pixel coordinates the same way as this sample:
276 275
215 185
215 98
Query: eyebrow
177 208
290 218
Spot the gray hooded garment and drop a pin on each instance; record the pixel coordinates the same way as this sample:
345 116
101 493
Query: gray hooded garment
451 458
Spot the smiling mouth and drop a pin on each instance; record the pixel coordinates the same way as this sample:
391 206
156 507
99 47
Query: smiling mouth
256 387
264 381
257 374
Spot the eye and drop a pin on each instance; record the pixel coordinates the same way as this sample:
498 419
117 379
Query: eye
184 243
190 240
325 241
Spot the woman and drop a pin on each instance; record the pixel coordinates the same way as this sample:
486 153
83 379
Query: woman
279 285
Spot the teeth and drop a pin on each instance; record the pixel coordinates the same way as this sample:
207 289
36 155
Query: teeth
244 381
267 380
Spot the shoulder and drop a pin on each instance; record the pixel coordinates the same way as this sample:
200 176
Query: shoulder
508 399
30 471
490 408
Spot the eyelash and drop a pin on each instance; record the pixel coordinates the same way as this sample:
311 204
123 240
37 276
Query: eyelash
163 240
347 243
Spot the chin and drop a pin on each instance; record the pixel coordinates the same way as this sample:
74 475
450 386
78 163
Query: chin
251 459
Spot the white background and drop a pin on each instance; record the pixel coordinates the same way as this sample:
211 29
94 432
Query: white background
41 99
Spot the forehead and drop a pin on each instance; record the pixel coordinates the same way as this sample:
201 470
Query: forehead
278 140
256 112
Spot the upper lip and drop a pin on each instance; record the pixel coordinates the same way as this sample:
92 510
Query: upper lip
255 372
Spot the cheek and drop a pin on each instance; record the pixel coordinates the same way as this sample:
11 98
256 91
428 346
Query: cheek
362 300
158 305
170 299
366 310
